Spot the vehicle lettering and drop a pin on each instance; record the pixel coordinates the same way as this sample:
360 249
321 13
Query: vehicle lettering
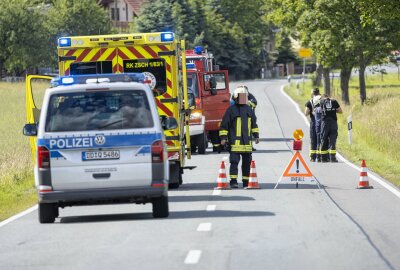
71 143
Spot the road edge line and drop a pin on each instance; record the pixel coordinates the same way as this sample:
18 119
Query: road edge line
19 215
380 180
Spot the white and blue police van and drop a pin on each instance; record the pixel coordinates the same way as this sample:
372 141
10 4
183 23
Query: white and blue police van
100 140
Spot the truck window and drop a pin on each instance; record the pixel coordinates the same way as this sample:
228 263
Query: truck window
100 67
84 111
219 78
192 84
153 69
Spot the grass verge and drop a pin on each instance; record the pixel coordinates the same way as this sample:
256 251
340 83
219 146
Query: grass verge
16 167
376 125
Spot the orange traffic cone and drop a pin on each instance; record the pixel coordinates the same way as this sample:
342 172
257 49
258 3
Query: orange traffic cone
222 182
253 182
363 183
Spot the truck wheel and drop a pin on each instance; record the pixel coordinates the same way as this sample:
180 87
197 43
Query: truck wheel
47 212
202 143
174 174
192 146
160 207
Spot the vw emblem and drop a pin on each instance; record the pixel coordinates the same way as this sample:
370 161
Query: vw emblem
100 139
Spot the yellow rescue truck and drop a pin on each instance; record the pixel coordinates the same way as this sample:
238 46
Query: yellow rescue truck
158 55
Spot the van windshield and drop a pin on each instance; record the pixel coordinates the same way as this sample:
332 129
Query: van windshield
111 110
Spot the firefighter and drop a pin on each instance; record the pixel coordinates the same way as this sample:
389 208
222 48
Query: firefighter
238 128
318 119
309 110
329 128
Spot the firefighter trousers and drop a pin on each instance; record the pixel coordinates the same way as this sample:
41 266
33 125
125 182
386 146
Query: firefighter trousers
314 141
329 133
234 159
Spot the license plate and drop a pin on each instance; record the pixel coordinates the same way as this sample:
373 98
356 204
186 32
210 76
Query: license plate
100 155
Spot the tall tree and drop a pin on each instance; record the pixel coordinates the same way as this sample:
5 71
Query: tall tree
21 36
74 17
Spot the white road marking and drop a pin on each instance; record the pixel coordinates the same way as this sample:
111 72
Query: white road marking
211 207
204 227
382 182
193 257
17 216
216 192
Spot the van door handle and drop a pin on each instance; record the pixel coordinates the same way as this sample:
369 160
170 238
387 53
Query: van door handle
225 100
101 175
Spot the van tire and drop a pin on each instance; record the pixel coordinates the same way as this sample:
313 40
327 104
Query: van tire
47 212
202 143
160 207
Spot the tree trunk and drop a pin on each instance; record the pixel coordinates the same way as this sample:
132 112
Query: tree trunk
363 88
327 81
318 77
344 84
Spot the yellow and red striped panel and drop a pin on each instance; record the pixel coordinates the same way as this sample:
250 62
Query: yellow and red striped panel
91 55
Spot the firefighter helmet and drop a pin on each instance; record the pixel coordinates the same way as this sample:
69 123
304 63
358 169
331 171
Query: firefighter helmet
239 90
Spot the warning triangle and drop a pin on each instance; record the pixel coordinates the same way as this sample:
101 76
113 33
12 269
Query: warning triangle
297 167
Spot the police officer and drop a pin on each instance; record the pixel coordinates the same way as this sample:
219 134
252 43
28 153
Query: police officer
237 130
329 128
309 110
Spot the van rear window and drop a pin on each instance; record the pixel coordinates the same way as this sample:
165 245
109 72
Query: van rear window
111 110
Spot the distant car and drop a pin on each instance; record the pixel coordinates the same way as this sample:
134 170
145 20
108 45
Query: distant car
100 142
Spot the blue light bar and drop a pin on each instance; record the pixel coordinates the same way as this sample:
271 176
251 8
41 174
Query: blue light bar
64 42
98 78
198 49
167 36
190 65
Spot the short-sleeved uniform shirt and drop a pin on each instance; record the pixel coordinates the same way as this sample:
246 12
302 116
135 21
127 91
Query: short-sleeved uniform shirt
329 107
309 105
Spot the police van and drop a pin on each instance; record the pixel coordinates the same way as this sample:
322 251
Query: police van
100 140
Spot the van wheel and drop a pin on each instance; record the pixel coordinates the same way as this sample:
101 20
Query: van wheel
160 207
202 143
47 212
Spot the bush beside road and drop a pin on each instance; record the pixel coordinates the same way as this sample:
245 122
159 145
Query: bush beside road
16 175
375 125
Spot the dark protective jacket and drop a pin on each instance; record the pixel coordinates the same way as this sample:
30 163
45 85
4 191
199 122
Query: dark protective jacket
252 101
239 127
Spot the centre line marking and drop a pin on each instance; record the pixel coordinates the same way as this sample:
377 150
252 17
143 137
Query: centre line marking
204 227
216 192
193 257
211 207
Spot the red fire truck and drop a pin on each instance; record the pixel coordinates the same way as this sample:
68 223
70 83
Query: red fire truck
209 88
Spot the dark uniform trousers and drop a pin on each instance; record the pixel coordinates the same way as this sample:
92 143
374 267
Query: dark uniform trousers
234 159
329 133
314 140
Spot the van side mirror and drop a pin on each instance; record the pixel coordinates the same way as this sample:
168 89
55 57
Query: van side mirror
169 123
30 130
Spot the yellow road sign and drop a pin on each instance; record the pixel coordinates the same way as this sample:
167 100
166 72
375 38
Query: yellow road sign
305 53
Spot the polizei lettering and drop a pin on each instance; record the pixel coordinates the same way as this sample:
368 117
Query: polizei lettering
71 143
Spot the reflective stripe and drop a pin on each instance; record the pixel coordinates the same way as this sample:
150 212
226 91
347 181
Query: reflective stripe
249 125
233 176
245 177
324 152
332 151
238 127
216 144
223 132
242 148
254 130
252 104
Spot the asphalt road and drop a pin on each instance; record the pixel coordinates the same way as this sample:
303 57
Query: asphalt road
335 227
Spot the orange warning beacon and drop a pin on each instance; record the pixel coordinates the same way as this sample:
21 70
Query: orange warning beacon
297 143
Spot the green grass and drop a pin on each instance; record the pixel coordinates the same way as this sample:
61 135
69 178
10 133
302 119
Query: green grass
16 167
376 125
